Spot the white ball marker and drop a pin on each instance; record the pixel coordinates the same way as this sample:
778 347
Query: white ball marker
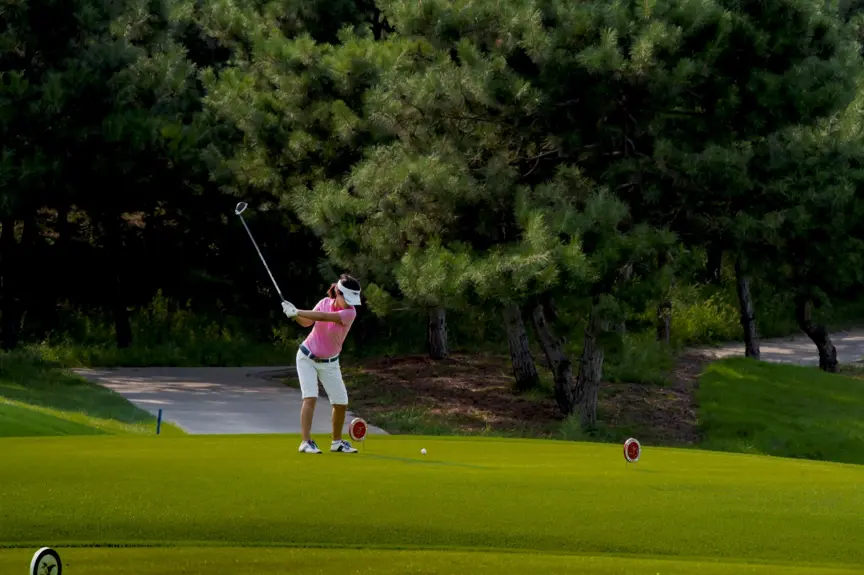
46 561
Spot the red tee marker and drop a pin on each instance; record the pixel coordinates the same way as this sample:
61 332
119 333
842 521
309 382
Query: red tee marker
357 429
632 450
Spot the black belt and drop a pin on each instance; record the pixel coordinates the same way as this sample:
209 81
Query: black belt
315 358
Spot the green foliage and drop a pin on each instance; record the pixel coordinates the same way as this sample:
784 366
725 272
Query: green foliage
781 410
472 330
641 359
443 217
459 154
706 314
106 107
167 334
812 177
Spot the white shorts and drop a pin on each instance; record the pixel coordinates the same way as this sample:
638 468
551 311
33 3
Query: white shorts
309 372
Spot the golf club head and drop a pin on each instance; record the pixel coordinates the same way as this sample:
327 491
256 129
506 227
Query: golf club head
241 207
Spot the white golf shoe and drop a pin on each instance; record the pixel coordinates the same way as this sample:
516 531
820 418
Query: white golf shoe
309 447
342 446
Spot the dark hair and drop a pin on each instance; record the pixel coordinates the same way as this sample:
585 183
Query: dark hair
348 281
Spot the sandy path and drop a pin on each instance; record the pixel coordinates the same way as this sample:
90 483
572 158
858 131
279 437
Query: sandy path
217 400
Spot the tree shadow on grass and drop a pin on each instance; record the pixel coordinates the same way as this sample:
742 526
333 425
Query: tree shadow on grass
782 410
28 379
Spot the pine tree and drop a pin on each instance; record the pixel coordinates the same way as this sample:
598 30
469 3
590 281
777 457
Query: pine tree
500 153
652 98
99 101
285 146
812 242
695 170
448 206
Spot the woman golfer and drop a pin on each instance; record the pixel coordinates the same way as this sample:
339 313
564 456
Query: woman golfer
318 358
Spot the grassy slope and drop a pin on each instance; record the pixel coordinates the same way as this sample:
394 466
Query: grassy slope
36 399
466 494
784 410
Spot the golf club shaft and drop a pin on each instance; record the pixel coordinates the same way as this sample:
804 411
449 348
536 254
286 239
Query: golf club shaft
254 243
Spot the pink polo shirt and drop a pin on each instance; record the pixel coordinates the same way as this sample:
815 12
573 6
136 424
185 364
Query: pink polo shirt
326 337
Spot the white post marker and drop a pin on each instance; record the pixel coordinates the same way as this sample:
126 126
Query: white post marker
46 561
632 450
357 430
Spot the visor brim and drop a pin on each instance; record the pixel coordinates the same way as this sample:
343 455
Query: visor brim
351 299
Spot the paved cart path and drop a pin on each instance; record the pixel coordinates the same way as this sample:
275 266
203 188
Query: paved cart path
798 349
217 400
238 400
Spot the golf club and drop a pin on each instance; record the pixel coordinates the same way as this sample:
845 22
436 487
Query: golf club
241 207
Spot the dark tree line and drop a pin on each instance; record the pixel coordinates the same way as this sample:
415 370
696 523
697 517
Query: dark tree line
504 156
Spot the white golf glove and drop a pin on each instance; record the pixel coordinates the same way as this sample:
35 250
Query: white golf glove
289 309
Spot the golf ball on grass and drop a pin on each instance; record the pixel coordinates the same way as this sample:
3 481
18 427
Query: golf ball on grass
423 451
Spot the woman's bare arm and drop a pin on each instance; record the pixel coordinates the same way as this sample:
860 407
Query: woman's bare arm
303 321
320 316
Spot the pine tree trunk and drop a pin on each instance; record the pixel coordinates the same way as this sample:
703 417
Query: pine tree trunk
626 275
524 370
664 322
436 334
9 322
122 325
714 266
63 260
31 289
590 375
562 367
17 297
664 311
379 24
748 315
817 333
550 315
63 228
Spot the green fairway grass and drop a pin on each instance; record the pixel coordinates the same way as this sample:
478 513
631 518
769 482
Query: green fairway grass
39 400
248 561
466 494
791 411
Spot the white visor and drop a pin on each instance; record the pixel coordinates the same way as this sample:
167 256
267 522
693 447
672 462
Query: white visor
352 296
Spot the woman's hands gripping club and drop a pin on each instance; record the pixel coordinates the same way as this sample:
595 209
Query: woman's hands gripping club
289 309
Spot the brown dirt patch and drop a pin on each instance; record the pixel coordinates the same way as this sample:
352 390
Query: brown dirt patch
659 414
472 394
